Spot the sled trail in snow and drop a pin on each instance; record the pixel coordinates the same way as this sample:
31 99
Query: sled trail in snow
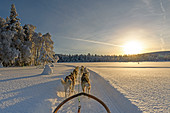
25 90
100 88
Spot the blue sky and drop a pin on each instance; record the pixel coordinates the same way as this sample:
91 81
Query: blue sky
97 26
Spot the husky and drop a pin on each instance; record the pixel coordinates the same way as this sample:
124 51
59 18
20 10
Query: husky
86 71
72 76
82 70
75 72
77 68
67 83
85 83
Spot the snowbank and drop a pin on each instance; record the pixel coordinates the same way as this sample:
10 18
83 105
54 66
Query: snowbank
47 70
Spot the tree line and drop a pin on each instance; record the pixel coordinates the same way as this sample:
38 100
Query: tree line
160 56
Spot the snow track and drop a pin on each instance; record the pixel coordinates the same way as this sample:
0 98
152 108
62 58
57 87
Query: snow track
100 88
25 90
116 102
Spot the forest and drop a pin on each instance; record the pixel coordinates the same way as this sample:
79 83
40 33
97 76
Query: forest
21 45
154 56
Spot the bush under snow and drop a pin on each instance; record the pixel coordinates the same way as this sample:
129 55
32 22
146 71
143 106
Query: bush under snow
47 70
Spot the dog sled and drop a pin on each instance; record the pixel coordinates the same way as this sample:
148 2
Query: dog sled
85 83
79 107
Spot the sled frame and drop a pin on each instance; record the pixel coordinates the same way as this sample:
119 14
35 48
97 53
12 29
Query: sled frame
80 94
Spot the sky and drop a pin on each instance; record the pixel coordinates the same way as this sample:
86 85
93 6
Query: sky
97 26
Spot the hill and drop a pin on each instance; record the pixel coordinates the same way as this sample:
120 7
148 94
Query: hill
159 53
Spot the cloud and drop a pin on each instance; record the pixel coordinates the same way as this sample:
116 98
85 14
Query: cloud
147 2
149 5
163 24
163 10
96 42
162 43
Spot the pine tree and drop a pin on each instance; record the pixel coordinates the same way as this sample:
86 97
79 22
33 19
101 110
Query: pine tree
2 23
14 23
7 19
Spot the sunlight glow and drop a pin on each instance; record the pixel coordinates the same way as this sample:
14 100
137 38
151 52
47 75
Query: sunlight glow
132 47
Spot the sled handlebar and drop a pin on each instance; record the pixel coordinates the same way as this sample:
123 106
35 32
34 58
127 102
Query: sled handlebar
85 94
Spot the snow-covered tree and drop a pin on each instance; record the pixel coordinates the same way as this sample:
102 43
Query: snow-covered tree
21 45
48 44
8 52
43 55
2 23
9 47
29 41
13 23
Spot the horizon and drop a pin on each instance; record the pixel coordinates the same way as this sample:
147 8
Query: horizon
115 54
98 27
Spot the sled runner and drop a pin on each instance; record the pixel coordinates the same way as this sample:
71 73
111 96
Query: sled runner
79 107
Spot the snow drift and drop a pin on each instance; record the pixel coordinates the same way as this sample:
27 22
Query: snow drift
47 70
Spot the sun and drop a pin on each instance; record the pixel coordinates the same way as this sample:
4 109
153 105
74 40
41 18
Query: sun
132 47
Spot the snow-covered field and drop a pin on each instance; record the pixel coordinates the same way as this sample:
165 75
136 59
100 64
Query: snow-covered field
147 85
124 87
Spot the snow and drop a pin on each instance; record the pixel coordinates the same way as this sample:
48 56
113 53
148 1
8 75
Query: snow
47 70
123 87
1 65
146 85
146 88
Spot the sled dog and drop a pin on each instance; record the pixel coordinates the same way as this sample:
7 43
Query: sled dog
86 71
77 68
67 83
82 70
75 72
72 76
85 83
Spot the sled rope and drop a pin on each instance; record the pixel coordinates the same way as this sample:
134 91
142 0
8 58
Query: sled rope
79 104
